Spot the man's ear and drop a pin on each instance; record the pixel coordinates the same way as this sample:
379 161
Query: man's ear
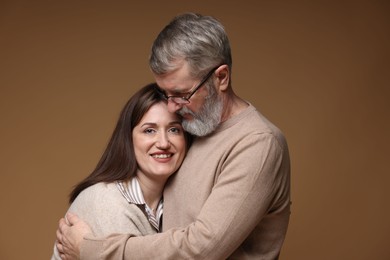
223 77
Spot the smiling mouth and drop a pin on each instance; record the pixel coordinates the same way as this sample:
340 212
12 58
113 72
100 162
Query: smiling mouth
162 156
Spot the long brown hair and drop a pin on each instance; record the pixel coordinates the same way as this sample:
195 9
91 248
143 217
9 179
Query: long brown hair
118 160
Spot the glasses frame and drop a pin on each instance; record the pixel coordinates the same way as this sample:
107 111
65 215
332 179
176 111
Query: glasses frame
186 99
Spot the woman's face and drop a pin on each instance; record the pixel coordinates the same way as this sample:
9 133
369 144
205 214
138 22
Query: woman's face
159 143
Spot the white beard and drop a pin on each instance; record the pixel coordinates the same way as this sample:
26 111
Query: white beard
207 119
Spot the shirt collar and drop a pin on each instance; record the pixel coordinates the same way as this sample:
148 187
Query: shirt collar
132 192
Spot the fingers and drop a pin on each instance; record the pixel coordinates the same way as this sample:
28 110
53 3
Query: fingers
66 243
58 236
62 225
59 246
71 218
60 249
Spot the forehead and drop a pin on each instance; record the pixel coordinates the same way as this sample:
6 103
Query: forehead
176 81
159 114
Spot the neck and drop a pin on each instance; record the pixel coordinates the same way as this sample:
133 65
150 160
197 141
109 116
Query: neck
232 105
152 190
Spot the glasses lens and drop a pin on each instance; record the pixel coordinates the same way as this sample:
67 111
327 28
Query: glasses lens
179 100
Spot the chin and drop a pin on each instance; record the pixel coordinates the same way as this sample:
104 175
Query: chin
164 173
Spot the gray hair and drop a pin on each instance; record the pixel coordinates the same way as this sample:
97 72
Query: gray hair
199 40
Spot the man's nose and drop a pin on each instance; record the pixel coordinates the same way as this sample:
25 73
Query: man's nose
173 106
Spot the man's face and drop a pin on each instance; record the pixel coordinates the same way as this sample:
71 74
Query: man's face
202 114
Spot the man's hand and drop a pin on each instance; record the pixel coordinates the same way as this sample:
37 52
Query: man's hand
70 234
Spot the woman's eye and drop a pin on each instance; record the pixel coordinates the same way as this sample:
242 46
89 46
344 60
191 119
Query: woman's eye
175 130
149 131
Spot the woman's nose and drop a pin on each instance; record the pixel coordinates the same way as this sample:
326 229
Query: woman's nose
163 142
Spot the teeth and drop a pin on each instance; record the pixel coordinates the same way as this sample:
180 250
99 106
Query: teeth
161 156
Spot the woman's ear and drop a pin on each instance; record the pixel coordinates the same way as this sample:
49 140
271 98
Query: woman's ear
223 77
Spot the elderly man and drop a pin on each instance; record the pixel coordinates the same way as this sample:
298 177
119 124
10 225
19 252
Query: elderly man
231 196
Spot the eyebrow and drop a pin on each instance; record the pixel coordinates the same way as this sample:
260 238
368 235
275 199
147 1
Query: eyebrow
155 124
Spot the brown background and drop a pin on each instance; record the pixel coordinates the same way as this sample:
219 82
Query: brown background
317 69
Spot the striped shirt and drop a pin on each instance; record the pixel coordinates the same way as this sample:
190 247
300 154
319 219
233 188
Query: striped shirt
133 194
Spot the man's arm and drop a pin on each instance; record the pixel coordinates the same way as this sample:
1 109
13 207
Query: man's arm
106 211
242 195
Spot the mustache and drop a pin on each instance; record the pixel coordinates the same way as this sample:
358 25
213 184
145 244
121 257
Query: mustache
184 111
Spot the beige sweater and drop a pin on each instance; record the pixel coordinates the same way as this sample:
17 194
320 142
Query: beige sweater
107 212
230 199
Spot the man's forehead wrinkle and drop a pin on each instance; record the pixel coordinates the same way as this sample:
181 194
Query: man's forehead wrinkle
174 86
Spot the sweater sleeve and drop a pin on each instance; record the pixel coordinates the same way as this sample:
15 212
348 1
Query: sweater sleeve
251 184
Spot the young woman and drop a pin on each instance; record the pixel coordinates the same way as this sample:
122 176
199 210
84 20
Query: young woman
124 193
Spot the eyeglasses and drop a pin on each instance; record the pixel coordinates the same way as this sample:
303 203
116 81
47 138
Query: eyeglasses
186 99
